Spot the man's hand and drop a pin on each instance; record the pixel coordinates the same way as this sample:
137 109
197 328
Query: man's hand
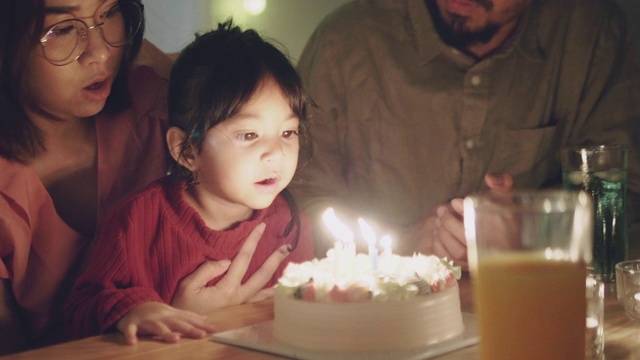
500 182
448 236
441 232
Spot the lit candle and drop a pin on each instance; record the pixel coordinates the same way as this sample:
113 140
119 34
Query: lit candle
385 259
344 246
370 237
385 241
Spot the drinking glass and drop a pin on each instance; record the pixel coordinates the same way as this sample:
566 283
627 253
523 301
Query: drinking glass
602 172
628 287
528 252
595 316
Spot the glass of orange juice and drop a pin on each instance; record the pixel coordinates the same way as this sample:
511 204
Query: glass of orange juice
528 256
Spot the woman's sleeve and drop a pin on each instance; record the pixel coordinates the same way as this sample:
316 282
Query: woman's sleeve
12 328
37 250
13 228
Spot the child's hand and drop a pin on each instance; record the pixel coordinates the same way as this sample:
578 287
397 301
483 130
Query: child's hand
192 294
164 322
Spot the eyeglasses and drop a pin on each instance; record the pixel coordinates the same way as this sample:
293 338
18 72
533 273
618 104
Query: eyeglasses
65 41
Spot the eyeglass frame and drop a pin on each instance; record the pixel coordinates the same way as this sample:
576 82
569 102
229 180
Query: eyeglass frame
100 26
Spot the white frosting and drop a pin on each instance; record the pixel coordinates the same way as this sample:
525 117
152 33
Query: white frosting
368 326
348 306
397 278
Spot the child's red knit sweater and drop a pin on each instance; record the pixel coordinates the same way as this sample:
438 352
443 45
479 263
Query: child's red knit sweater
153 242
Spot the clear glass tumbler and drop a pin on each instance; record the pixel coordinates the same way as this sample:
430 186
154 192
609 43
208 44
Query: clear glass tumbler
528 256
602 172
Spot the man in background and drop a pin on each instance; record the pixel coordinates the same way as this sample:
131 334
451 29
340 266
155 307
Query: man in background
421 102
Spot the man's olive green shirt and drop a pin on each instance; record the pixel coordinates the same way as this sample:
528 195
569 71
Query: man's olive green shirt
405 123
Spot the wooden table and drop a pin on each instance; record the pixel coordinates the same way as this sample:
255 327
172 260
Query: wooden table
622 337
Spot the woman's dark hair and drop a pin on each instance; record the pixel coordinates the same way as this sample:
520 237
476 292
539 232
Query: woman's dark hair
119 98
21 25
216 75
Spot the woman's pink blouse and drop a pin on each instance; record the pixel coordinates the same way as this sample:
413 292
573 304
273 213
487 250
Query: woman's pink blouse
37 249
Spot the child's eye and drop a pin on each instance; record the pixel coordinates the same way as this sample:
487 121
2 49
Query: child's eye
247 136
289 133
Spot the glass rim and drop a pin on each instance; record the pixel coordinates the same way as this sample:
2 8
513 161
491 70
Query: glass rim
623 266
595 148
550 200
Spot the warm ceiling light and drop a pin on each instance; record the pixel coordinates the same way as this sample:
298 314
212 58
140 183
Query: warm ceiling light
254 7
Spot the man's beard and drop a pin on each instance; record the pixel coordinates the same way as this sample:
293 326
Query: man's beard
454 33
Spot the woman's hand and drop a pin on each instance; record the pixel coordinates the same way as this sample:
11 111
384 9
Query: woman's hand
164 322
193 294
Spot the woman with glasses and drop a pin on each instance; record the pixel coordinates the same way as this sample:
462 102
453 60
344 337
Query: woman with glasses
80 129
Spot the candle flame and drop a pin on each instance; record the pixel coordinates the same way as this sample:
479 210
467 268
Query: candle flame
367 232
336 227
385 241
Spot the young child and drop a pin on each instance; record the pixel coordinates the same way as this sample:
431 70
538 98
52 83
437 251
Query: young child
238 112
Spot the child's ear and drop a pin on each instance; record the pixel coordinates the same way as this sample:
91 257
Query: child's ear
175 140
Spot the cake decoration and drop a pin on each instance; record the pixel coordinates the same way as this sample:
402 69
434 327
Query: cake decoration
366 303
397 278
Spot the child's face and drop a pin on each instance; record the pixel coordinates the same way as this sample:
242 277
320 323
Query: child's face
251 157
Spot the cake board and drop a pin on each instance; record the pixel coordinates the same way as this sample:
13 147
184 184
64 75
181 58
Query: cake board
260 337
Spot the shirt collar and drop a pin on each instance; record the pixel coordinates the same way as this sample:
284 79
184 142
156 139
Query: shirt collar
429 45
527 41
428 41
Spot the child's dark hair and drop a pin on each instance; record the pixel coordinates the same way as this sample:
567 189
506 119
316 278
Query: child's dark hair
216 75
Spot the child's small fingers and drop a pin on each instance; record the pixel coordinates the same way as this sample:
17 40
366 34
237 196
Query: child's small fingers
158 329
130 336
170 337
188 329
207 326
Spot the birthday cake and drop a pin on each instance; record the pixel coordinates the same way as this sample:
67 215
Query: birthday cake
397 303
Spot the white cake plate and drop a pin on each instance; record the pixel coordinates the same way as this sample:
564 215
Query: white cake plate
260 337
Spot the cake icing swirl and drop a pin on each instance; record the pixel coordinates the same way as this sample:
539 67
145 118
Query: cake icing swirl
396 278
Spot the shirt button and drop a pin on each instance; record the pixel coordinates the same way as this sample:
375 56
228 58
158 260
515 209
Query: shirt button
469 144
475 80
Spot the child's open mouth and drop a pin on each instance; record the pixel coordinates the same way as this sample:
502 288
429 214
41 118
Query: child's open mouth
95 86
269 181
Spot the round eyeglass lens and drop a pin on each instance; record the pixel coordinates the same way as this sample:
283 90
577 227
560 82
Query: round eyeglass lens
66 41
120 23
61 42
